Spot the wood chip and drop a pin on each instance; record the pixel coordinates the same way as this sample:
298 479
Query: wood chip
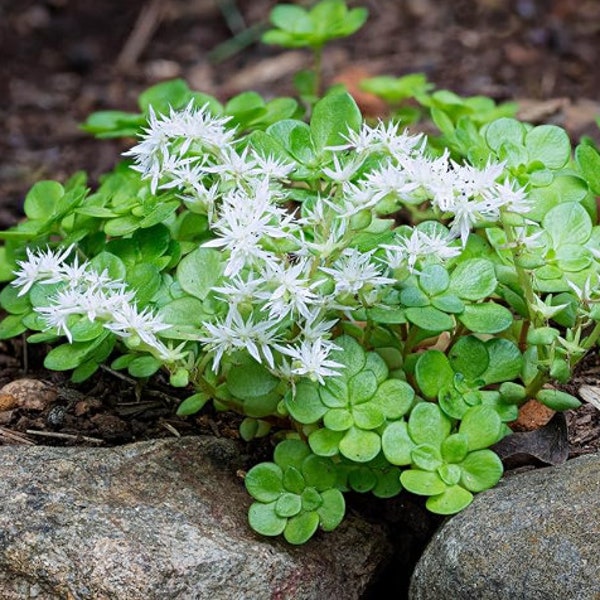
591 395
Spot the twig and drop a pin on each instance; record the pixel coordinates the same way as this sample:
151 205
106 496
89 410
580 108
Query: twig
170 428
147 23
15 437
64 436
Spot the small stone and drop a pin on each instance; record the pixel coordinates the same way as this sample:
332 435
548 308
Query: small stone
30 394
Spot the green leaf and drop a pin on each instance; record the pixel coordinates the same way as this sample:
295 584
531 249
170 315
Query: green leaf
113 124
452 402
288 505
332 118
11 326
487 317
42 199
264 482
481 470
430 319
394 398
291 453
473 279
548 144
423 483
568 223
144 279
428 424
368 415
199 271
338 419
588 160
362 479
250 381
454 499
69 356
144 366
332 510
113 265
325 442
301 528
434 280
305 405
481 426
362 387
293 480
433 372
397 444
350 354
291 18
162 96
455 448
264 520
469 356
505 361
360 445
192 404
503 131
426 457
557 400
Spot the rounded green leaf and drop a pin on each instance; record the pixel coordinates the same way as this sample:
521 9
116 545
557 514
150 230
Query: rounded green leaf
512 393
42 199
362 386
301 528
311 499
506 361
423 483
338 419
332 510
394 398
305 405
325 442
557 400
264 482
291 453
482 426
293 480
455 448
426 457
368 415
503 131
433 372
350 354
318 472
449 303
388 484
430 318
434 280
360 445
377 366
568 223
452 402
199 271
474 279
334 394
288 505
481 470
469 356
450 474
549 145
250 381
428 424
362 479
397 444
487 317
454 499
264 520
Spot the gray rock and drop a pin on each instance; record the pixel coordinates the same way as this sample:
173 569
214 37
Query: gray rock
162 520
534 537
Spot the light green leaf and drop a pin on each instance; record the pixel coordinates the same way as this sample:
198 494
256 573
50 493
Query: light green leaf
423 483
333 117
487 317
454 499
264 520
481 426
469 356
301 528
199 271
332 511
481 470
473 279
433 372
397 444
428 424
264 482
360 445
548 144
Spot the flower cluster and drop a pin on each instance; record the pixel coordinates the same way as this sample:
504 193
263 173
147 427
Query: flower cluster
288 272
82 292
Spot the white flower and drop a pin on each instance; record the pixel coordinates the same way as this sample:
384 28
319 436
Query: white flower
419 245
45 267
235 333
353 271
310 359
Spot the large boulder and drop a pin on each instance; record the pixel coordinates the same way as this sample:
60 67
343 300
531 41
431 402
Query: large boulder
157 520
536 536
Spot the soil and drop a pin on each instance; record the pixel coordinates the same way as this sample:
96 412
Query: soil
63 59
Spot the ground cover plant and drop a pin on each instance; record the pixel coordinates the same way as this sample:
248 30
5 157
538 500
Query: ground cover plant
379 302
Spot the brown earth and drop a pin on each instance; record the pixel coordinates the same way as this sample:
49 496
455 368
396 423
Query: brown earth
62 59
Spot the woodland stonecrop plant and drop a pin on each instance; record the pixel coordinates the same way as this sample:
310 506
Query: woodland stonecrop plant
379 302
